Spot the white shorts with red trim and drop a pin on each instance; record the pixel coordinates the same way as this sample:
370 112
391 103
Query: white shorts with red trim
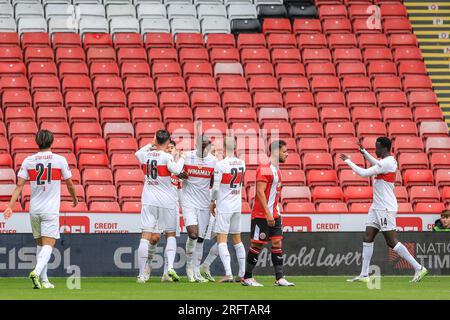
45 225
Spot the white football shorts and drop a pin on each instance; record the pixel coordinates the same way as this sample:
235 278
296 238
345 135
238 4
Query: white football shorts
382 220
228 223
158 220
45 225
198 217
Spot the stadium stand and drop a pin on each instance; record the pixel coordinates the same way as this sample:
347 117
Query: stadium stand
314 72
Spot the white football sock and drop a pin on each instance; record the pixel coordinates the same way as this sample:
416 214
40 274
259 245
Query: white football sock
165 263
197 257
366 257
44 276
190 247
142 256
212 255
240 254
404 253
225 257
42 259
171 250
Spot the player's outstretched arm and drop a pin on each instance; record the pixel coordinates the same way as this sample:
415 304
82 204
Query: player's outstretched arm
73 194
176 167
142 151
17 191
373 161
372 171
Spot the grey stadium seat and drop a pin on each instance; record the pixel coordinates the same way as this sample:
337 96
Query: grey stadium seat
120 10
108 2
47 2
75 2
62 24
6 10
181 11
221 68
215 25
208 2
124 24
91 10
137 2
228 2
8 24
151 11
155 25
190 25
275 2
211 10
31 10
14 2
32 25
58 10
242 11
93 24
167 2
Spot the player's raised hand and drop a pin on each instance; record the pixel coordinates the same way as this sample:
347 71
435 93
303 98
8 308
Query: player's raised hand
7 213
361 148
343 157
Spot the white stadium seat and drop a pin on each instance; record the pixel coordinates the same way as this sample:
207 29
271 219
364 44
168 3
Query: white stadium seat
28 10
215 25
181 11
185 26
124 24
93 24
8 24
32 25
154 25
58 10
151 11
120 10
90 10
62 24
242 11
211 10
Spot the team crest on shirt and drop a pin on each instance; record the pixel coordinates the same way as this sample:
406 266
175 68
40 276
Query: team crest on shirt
262 235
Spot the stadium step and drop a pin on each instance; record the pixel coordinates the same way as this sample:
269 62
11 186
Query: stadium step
431 25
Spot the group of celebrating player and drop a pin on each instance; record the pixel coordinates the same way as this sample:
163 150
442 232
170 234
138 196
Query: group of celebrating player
208 191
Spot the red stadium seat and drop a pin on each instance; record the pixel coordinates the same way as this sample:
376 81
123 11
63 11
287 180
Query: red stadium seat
317 161
220 40
313 40
437 144
90 145
446 195
350 178
165 55
97 40
102 206
128 177
360 207
260 55
138 99
352 83
382 68
398 25
298 99
290 84
122 145
322 178
424 194
124 161
440 160
414 177
402 40
406 128
361 99
312 145
358 194
295 194
271 25
63 39
272 115
308 130
331 26
148 129
412 161
158 40
320 69
302 26
407 53
269 101
365 114
425 207
66 206
197 69
100 54
293 177
299 207
442 177
408 144
338 207
58 129
101 193
93 161
371 128
357 158
130 193
97 177
427 114
327 194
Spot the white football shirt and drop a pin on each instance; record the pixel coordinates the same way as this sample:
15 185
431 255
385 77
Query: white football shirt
229 178
44 170
384 184
195 192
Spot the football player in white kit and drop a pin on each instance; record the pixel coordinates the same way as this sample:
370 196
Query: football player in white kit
195 198
226 204
159 204
383 210
44 170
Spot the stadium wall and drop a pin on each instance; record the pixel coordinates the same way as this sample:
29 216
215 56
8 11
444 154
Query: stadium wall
310 253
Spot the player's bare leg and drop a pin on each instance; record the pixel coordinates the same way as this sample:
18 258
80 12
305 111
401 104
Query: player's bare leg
205 266
252 259
190 247
171 250
146 250
224 255
240 254
46 284
368 239
402 251
42 260
277 260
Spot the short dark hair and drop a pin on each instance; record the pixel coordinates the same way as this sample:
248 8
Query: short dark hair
385 142
445 213
44 139
276 145
172 142
162 136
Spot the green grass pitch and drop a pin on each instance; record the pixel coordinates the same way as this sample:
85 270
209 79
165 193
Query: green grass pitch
332 287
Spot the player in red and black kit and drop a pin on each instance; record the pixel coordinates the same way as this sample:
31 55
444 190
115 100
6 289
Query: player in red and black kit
266 219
